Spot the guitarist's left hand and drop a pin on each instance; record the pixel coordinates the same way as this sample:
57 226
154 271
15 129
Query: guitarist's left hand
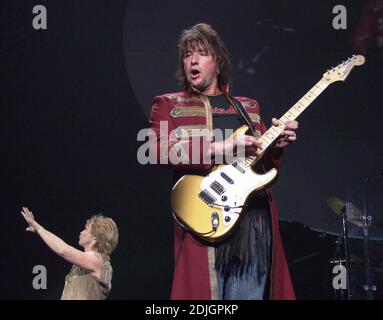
288 134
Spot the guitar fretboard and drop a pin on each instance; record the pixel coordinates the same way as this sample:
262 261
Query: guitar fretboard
274 132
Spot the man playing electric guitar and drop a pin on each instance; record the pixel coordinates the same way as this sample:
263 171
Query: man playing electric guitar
252 256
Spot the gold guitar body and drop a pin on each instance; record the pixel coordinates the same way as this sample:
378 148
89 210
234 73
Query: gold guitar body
210 206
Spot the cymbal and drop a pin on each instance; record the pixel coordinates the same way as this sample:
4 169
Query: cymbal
354 214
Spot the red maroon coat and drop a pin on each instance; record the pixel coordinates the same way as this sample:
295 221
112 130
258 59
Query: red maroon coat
194 275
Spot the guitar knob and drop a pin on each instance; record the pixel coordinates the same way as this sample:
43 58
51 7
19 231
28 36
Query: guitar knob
226 208
224 198
227 219
215 221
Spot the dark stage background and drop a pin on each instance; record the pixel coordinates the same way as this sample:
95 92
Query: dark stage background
73 98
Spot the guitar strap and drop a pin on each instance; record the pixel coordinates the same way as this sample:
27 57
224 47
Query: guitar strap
237 105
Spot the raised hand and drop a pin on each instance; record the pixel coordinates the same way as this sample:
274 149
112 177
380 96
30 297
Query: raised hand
33 226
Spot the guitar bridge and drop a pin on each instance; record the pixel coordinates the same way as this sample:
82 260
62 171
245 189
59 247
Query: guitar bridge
207 197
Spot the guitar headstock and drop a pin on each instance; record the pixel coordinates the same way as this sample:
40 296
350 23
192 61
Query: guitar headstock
342 70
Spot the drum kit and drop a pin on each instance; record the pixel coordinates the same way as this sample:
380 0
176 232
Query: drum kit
348 261
361 223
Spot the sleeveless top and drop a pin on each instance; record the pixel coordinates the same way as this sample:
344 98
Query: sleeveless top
81 284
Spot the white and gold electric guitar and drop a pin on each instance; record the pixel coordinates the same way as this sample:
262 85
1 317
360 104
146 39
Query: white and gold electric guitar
210 206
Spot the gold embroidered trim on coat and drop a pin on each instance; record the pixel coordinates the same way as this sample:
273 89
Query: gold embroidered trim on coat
209 115
193 130
254 117
248 104
212 273
191 111
182 99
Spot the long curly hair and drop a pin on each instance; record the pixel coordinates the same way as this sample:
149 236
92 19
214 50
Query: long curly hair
203 36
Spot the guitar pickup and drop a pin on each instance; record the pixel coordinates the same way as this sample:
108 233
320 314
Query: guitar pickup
207 197
238 167
217 188
227 178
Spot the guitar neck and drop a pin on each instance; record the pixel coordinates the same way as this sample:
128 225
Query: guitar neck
274 132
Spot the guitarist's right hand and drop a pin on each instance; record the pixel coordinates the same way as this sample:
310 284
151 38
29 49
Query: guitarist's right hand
234 145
